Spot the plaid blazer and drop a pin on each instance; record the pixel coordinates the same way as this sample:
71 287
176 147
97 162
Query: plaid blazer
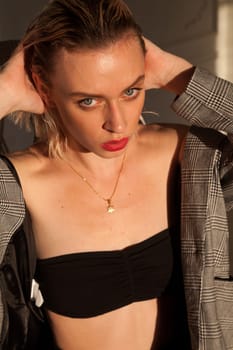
12 214
206 202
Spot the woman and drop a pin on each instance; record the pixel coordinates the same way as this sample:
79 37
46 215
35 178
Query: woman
102 233
89 211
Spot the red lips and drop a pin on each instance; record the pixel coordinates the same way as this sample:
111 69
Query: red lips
115 145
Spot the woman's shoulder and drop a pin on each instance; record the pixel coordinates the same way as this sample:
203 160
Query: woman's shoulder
164 129
29 160
163 136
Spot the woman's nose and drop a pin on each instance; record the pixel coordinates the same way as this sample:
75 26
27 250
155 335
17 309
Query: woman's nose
115 120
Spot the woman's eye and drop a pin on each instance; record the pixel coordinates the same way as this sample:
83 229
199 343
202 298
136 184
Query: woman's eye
87 102
130 92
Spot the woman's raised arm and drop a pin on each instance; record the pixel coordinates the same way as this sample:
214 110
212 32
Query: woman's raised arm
165 70
16 91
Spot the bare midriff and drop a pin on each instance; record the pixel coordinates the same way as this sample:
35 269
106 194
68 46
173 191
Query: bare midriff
131 327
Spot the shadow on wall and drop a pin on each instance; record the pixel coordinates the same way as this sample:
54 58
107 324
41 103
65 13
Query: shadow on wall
6 48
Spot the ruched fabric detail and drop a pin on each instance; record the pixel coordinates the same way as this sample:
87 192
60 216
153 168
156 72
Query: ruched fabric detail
88 284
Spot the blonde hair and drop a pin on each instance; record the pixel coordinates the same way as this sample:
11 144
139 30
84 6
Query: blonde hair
73 25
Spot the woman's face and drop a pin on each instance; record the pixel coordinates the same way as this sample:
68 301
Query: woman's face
99 96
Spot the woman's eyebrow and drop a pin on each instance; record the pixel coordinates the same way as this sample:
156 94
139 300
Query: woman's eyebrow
138 80
84 94
88 94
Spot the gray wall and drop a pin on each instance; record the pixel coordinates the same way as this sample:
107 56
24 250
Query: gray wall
14 18
184 27
15 15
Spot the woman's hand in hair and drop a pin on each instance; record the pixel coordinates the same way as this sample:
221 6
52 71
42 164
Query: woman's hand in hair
165 70
16 91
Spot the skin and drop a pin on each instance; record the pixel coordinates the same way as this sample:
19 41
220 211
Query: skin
108 110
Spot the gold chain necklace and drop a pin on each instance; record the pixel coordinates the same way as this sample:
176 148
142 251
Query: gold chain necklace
110 206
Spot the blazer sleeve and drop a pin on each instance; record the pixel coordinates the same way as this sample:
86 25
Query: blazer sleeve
207 102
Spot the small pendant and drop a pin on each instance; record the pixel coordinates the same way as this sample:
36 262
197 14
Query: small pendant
110 207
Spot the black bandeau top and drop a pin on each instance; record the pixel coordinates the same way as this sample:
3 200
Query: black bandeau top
88 284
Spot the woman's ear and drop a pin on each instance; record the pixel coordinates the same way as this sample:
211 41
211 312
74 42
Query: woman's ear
42 90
